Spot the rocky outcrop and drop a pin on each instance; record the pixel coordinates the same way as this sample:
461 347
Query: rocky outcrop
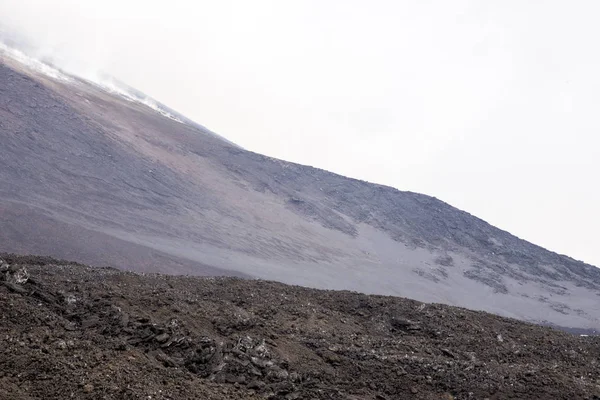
70 331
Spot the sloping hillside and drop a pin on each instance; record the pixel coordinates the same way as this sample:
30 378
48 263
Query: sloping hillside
99 176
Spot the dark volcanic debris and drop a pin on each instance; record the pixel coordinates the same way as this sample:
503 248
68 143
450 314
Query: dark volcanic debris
70 331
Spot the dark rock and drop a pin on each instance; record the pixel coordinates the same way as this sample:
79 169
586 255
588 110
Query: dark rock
162 338
13 287
448 353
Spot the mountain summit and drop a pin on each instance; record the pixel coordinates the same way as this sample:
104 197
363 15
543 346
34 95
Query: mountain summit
106 176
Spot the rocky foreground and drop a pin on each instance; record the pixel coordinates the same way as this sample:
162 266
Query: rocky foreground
71 331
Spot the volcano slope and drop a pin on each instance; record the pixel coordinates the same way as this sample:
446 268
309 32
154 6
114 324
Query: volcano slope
96 175
71 331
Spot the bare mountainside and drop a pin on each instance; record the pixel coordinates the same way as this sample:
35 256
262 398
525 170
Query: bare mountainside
98 333
106 177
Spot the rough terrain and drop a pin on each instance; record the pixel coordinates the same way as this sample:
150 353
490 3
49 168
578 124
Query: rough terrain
71 331
106 176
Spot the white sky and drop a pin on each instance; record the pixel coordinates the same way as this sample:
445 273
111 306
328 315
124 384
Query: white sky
492 106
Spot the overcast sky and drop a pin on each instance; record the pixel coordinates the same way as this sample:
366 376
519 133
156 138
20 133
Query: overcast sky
491 106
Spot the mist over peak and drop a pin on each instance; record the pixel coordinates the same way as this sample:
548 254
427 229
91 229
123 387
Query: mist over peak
56 66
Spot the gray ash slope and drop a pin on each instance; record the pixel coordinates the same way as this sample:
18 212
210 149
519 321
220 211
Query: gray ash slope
92 176
100 333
